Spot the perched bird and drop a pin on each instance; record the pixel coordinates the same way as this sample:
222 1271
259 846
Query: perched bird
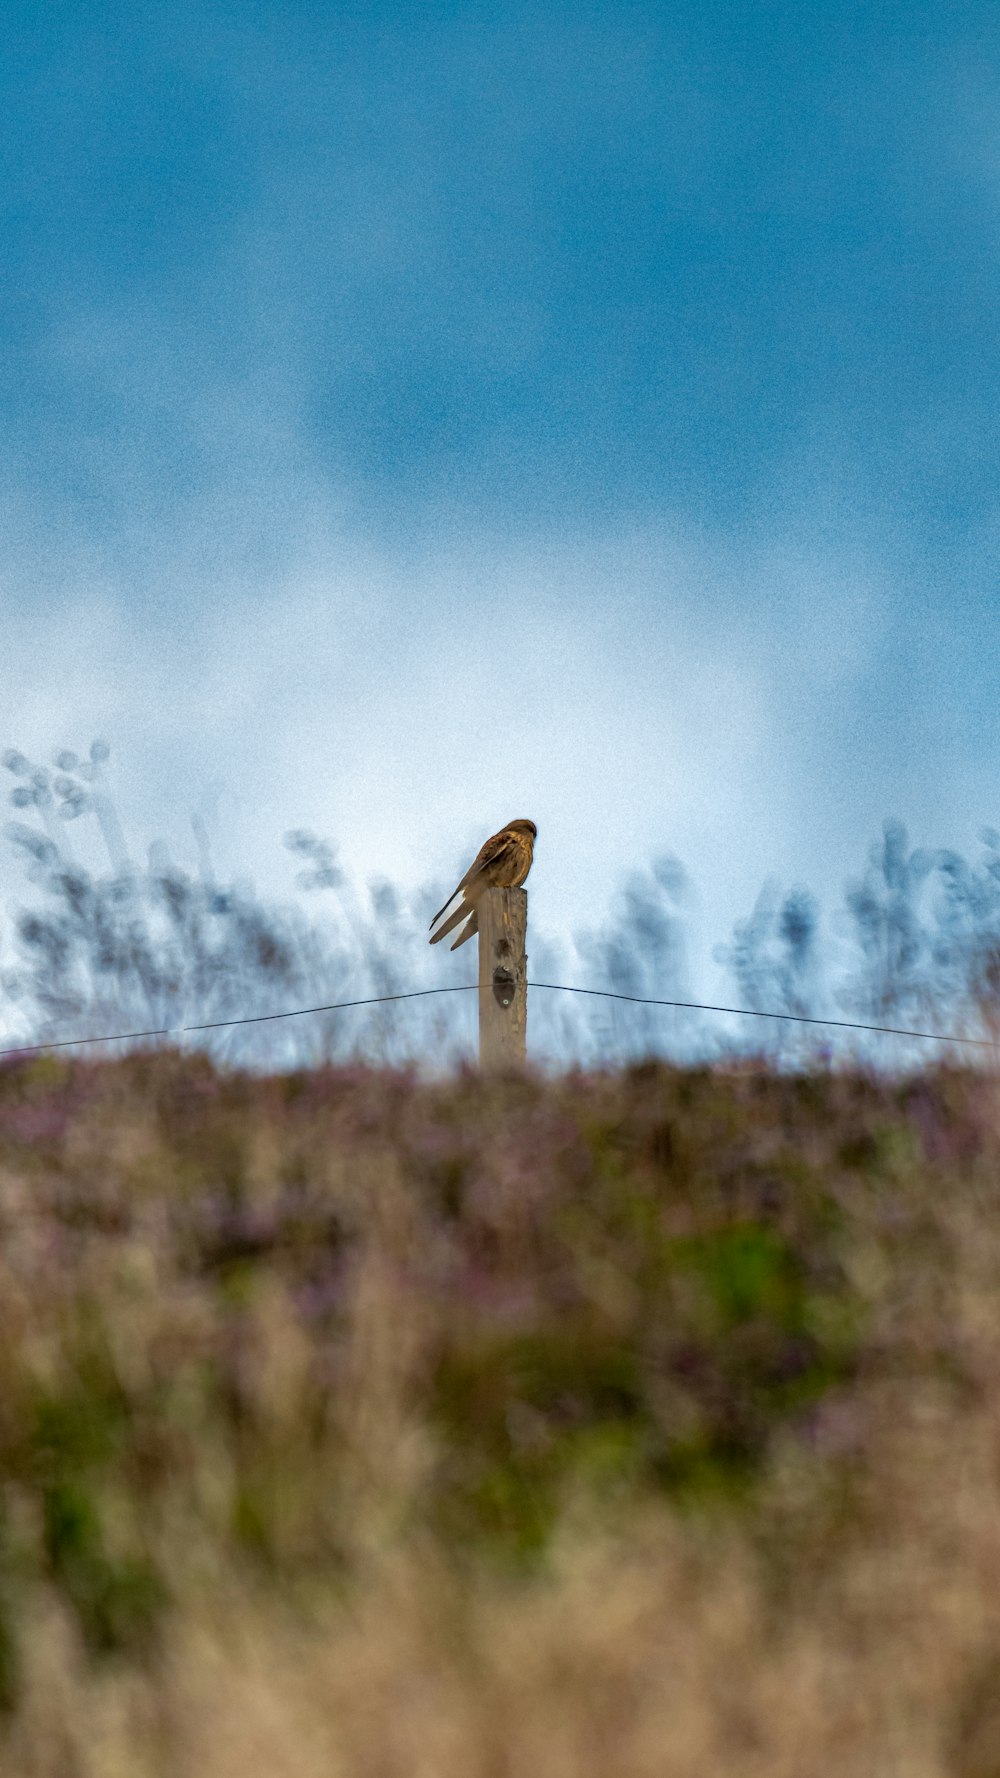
503 863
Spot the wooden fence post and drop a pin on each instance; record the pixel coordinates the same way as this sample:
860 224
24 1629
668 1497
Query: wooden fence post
503 978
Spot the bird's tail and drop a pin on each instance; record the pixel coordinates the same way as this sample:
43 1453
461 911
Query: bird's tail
470 930
461 913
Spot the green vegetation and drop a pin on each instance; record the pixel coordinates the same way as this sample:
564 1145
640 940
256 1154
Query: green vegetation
452 1378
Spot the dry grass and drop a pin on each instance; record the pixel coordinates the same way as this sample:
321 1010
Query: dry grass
633 1424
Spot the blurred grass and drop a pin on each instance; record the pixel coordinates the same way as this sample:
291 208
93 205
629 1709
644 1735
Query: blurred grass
644 1421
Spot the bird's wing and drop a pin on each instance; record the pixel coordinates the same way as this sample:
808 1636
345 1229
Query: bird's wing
496 848
489 853
447 904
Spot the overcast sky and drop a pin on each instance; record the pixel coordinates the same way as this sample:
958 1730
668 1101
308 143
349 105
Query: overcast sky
412 418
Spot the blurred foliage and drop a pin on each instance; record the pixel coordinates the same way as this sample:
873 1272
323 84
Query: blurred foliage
260 1320
150 949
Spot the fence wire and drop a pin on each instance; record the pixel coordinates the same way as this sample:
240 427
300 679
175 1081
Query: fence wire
298 1012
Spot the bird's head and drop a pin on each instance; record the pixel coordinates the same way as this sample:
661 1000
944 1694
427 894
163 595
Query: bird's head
524 827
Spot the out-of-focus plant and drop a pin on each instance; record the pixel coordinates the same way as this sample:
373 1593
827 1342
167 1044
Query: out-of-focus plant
140 949
146 949
774 960
251 1318
966 942
642 951
894 982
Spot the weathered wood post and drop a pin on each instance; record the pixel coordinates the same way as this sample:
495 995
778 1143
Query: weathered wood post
503 978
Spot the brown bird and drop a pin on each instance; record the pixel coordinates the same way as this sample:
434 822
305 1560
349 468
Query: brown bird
503 863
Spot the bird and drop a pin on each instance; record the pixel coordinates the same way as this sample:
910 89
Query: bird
503 863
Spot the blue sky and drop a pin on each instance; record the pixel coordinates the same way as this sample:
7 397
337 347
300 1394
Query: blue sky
410 418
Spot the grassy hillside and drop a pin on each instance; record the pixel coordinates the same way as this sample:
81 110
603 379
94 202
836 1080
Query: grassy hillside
644 1423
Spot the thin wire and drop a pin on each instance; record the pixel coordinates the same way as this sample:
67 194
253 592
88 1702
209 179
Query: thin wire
794 1018
377 1000
298 1012
262 1018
